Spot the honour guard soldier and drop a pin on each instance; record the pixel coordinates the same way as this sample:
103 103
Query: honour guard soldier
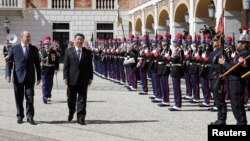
6 51
245 35
236 86
164 69
122 53
131 62
50 64
153 67
217 87
186 62
194 69
142 64
203 70
177 71
126 65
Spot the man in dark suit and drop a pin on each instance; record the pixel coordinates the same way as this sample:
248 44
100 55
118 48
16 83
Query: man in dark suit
26 64
78 75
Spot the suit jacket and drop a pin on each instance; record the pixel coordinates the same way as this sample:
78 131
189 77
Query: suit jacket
24 68
78 72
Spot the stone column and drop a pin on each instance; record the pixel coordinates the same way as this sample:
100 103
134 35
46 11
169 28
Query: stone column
192 30
143 21
171 18
133 24
155 17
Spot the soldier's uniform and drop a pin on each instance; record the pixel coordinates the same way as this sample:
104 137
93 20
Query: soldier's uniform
142 66
153 68
203 71
122 53
194 69
177 71
186 63
50 64
217 87
236 87
164 69
131 63
6 51
126 66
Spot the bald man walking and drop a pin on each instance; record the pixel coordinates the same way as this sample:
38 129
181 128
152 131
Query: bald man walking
25 58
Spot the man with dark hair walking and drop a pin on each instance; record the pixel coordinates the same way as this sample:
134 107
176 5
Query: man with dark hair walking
78 75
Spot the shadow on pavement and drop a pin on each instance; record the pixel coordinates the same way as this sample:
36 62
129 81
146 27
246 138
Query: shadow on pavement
58 101
64 101
92 101
118 121
97 122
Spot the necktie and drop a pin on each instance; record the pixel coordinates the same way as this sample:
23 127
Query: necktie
79 54
26 52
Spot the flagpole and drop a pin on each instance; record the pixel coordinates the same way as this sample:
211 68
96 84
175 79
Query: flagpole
119 19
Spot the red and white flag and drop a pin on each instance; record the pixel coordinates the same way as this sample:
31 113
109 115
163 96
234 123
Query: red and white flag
220 26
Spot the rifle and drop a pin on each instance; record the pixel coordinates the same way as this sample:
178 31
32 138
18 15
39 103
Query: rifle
246 75
234 67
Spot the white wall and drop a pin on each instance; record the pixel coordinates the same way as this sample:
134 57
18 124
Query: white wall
232 23
39 22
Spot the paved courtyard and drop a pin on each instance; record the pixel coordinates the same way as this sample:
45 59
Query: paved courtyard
113 114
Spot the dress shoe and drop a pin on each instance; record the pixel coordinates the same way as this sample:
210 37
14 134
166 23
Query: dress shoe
143 93
213 109
19 120
31 121
152 97
204 104
174 108
218 122
81 121
45 101
156 100
70 117
164 104
194 101
187 97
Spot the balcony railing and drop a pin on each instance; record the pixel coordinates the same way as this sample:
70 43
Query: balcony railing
105 4
11 4
62 4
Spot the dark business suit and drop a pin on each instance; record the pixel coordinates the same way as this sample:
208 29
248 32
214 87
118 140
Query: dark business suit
24 76
78 73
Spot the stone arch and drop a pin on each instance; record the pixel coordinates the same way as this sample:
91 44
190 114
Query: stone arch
233 5
201 8
149 21
138 25
180 12
163 14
